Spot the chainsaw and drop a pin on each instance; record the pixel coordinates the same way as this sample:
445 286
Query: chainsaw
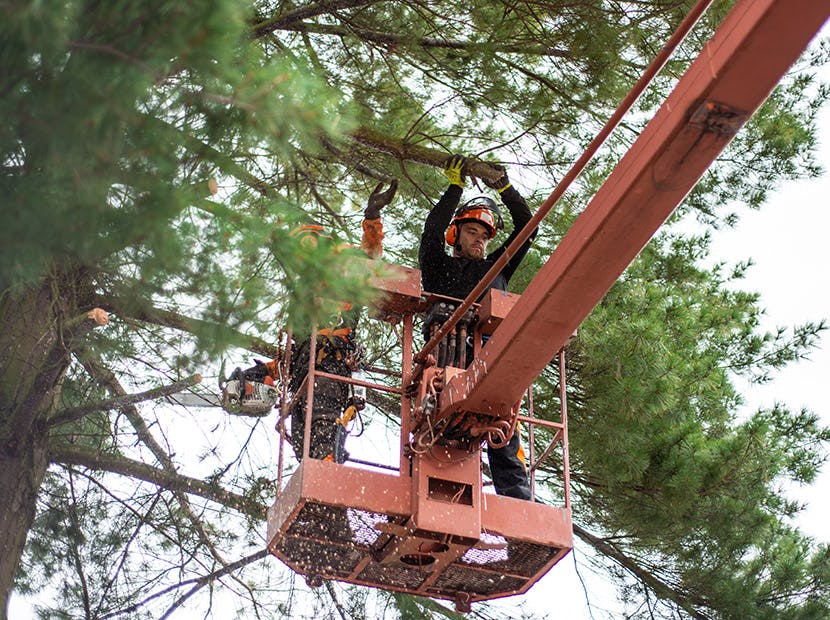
246 395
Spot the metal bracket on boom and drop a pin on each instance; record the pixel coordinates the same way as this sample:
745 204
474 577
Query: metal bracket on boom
719 118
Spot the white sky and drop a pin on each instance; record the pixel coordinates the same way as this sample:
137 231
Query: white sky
788 241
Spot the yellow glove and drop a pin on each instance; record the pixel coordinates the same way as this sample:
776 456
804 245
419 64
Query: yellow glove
454 170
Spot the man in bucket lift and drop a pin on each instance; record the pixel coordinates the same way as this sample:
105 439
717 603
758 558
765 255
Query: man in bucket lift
338 352
468 230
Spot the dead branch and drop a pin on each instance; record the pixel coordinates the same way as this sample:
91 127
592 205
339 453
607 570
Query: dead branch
168 318
75 413
101 461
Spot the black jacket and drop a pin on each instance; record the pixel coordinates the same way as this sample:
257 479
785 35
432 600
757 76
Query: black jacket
451 276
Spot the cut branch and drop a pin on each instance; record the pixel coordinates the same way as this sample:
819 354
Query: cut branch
75 413
166 318
172 481
421 154
86 321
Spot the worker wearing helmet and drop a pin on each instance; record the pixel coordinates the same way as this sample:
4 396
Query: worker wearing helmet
338 352
468 230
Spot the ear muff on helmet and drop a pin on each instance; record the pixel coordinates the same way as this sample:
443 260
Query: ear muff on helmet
482 210
451 236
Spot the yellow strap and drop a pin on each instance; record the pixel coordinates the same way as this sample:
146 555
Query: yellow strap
520 453
348 416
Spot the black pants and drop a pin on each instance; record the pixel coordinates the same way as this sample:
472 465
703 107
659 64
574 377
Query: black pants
508 471
327 441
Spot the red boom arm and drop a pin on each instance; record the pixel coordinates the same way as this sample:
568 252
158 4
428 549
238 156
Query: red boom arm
734 74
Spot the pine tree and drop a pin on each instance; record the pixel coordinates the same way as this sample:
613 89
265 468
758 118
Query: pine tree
156 157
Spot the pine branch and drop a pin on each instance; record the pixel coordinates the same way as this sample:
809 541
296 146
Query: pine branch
75 413
75 551
143 519
368 137
386 38
204 151
346 156
102 461
589 108
333 595
283 21
106 377
658 586
406 151
199 581
142 311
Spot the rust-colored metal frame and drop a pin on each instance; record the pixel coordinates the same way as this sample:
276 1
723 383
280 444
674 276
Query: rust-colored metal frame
427 529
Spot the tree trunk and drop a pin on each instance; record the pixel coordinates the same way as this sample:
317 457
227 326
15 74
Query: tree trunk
20 478
36 326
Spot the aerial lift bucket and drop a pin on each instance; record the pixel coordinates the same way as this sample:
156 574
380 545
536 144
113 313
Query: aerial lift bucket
427 528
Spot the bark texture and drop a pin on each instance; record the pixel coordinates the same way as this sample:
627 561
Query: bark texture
37 327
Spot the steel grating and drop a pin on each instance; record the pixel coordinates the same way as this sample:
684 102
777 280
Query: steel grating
458 578
363 524
317 558
337 523
328 540
322 521
516 557
394 575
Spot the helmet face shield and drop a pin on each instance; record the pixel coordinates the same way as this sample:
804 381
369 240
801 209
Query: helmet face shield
479 202
482 210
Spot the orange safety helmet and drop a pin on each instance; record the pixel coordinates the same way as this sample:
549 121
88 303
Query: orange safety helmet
482 210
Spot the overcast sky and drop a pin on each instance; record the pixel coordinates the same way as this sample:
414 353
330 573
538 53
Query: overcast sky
788 240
